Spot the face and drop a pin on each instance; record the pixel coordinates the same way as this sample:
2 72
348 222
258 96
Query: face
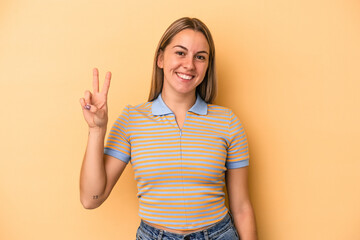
184 62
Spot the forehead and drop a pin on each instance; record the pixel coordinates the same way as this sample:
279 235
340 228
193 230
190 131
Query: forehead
192 40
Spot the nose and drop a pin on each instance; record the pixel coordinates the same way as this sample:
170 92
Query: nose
189 63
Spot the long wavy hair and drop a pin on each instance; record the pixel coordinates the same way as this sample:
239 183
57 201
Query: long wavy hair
208 87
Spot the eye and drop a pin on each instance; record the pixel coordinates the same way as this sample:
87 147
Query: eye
200 57
180 53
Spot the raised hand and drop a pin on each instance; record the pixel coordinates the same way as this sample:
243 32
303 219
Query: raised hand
94 105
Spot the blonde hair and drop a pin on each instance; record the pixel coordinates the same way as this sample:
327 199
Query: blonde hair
208 87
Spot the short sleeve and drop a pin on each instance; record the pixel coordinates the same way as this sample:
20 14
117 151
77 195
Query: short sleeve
238 152
118 144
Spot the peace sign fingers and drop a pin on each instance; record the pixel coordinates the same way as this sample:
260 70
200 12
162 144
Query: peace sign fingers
106 85
94 104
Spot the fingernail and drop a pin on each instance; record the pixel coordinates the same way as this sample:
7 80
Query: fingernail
87 106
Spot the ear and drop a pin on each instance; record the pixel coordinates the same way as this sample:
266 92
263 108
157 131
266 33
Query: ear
160 59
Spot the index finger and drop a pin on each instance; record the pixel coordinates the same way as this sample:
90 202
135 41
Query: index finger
106 85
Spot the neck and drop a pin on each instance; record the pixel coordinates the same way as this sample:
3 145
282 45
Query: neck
179 102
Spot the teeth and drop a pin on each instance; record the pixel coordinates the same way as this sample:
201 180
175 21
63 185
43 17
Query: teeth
184 76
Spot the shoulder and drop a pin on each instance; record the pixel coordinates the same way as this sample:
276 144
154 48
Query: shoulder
218 110
142 108
223 113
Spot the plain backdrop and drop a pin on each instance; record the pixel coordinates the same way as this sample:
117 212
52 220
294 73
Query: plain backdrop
289 69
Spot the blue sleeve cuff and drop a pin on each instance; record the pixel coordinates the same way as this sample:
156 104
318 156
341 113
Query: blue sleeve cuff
239 164
116 154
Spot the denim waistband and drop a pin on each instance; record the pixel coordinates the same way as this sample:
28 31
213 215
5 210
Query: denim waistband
212 231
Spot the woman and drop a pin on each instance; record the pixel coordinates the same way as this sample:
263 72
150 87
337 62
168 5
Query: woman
182 148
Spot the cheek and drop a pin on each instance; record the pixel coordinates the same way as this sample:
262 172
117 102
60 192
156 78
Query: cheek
171 64
204 69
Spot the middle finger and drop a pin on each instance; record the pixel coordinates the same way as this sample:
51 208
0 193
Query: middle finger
96 80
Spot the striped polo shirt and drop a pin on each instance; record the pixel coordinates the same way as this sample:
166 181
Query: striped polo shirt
180 173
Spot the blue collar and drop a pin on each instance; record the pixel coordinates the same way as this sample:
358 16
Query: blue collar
159 107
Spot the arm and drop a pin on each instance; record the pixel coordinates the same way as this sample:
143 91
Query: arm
99 172
239 201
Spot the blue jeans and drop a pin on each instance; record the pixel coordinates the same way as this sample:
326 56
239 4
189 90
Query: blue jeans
223 230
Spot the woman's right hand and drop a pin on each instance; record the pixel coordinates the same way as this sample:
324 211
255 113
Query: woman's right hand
94 105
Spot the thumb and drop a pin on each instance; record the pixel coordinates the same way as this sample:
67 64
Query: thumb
100 113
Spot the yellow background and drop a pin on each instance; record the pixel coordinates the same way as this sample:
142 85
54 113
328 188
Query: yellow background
289 69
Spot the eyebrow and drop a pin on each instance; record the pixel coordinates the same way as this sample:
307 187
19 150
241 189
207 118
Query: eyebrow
187 49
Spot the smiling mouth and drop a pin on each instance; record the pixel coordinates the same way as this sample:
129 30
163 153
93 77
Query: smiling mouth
184 76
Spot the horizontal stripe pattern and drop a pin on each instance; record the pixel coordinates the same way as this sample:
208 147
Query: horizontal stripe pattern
179 173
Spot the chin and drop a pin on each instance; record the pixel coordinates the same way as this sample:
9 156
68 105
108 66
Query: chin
186 90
